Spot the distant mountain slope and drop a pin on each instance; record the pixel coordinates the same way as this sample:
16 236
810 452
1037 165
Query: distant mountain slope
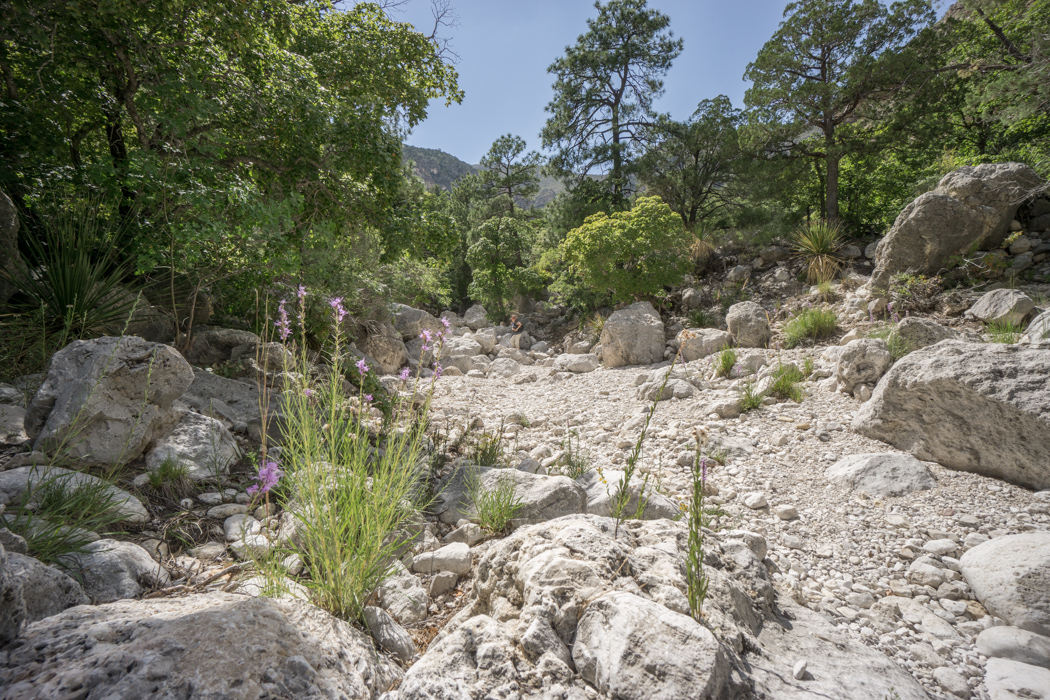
435 167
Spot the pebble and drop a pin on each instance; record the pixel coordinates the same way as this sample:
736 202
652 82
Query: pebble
221 512
786 512
799 672
755 501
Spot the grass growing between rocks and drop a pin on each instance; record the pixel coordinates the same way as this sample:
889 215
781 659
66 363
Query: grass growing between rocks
810 324
576 462
497 506
486 448
750 397
786 383
699 518
898 347
58 513
171 480
725 361
1004 332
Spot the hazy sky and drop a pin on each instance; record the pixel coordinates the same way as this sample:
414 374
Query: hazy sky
505 47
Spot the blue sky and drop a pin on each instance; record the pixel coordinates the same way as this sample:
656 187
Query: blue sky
505 47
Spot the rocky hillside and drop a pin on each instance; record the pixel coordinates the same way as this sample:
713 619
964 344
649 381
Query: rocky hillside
435 167
872 459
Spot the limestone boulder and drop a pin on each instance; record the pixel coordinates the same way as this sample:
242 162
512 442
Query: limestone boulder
402 595
201 445
476 318
862 361
748 322
1012 680
1016 644
12 425
462 346
186 647
502 368
975 407
919 333
577 364
105 400
633 336
113 570
15 482
603 488
387 348
214 345
972 205
696 343
881 474
410 323
1002 306
1011 577
1038 330
542 497
12 603
234 402
46 590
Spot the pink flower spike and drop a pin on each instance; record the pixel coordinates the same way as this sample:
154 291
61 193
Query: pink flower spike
404 374
362 366
368 398
445 323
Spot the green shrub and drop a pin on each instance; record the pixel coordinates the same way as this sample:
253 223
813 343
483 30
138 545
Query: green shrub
810 324
575 462
817 242
486 449
628 255
725 361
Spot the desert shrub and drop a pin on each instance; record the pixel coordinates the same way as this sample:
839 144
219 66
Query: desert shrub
917 293
817 242
810 324
700 318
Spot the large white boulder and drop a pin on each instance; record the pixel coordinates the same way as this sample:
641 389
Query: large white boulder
1002 306
386 347
1013 680
104 401
975 407
46 590
201 445
881 474
1038 330
695 343
577 364
922 332
213 345
232 401
410 323
1011 577
633 336
215 645
972 205
749 324
476 318
862 361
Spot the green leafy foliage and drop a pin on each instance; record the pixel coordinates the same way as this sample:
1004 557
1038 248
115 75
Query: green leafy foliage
628 255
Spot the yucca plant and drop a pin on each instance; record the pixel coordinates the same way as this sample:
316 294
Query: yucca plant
817 242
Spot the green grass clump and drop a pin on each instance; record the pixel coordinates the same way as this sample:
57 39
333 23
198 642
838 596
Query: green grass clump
171 480
750 397
897 345
810 324
786 379
1004 332
700 318
575 462
486 449
495 507
725 361
58 511
807 367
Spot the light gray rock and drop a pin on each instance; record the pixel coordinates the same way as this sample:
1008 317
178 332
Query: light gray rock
235 402
692 299
388 634
601 493
1015 644
200 444
462 346
633 336
105 400
972 205
1010 680
384 345
1011 577
453 557
632 648
881 474
486 337
214 345
862 361
1038 330
748 322
1002 306
111 570
577 364
695 343
12 603
476 318
542 497
963 405
14 483
46 590
144 648
403 596
502 368
922 332
442 583
739 273
952 681
12 425
410 323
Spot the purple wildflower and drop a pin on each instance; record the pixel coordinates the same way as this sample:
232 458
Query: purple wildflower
438 369
283 328
301 293
266 479
404 374
362 366
445 323
337 304
308 393
368 398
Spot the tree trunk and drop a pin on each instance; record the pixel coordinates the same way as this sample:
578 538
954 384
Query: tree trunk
617 160
833 188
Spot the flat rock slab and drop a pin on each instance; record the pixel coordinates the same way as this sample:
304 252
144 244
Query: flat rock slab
881 474
217 645
14 482
602 488
1011 577
1011 680
112 570
975 407
543 497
